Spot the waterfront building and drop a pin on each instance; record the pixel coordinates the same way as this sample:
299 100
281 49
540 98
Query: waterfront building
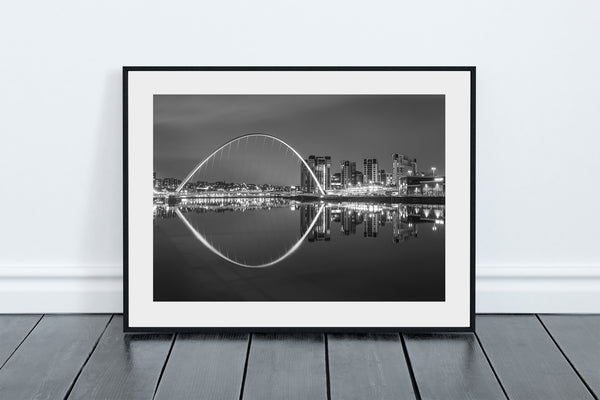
321 167
168 183
402 166
389 179
336 181
396 163
323 171
434 186
370 170
307 184
357 178
347 168
381 176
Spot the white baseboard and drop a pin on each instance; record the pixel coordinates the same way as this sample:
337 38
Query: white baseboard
501 289
558 289
61 289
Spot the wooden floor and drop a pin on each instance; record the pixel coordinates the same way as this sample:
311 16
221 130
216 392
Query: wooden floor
510 356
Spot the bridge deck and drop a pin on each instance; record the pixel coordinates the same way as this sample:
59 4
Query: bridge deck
88 357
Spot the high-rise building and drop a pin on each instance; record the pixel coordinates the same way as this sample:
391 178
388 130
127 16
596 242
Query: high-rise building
347 168
414 166
336 181
170 183
323 171
321 167
388 179
397 160
357 178
370 170
402 166
307 183
381 176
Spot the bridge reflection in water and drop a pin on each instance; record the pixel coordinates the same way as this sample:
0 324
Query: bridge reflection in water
261 249
316 220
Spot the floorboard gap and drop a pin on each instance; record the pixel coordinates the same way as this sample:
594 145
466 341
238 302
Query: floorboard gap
410 368
567 358
246 366
21 342
327 375
490 364
162 370
87 359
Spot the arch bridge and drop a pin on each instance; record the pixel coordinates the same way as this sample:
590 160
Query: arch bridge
245 137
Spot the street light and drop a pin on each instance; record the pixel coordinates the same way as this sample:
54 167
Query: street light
433 170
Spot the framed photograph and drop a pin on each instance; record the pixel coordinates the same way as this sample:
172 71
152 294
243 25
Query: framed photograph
299 198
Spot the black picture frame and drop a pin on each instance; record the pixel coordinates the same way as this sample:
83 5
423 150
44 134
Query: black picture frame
172 329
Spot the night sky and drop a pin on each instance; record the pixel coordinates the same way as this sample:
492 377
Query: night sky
187 128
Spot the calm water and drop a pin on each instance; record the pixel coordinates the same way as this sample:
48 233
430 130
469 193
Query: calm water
284 250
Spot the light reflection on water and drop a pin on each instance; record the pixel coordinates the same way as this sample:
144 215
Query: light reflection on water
378 242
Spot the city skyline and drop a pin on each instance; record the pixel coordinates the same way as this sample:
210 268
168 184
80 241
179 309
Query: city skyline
341 172
188 128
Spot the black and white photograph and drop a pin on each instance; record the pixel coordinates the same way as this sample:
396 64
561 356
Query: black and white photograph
299 197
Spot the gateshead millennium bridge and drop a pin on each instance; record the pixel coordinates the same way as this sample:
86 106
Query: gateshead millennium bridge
238 139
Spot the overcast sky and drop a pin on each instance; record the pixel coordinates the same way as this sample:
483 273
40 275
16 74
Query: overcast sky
187 128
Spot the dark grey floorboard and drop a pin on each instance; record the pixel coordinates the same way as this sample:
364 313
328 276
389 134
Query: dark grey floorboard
286 366
526 360
368 366
46 364
205 366
451 366
13 329
579 338
123 366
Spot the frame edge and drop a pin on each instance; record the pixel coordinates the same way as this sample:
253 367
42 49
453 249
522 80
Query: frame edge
128 329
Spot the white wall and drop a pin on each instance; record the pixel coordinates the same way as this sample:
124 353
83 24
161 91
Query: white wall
538 127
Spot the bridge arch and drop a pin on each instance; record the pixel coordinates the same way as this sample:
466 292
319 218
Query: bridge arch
216 251
230 142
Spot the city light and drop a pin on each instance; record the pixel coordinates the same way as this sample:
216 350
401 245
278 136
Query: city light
316 221
318 181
